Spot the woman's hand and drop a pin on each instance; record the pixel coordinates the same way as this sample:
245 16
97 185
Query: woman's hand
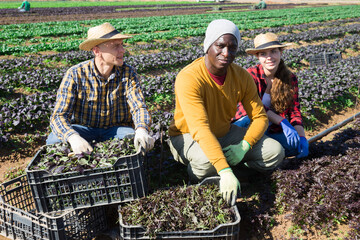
292 136
303 148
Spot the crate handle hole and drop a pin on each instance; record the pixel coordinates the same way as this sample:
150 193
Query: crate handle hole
13 187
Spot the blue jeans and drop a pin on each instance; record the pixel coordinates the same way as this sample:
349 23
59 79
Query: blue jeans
243 122
280 137
98 134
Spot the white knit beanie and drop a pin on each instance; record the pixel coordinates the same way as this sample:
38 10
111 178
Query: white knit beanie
217 28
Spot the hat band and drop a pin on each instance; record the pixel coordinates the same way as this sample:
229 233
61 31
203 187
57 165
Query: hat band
110 34
268 44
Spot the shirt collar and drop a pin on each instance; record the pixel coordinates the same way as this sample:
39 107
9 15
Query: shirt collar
97 74
93 68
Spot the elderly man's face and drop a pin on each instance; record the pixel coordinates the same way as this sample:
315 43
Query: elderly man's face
221 54
112 52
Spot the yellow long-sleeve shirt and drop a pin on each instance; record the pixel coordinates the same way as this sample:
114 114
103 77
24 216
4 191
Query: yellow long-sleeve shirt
205 109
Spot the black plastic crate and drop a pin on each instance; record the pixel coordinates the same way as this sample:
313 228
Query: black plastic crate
122 182
324 58
223 231
20 220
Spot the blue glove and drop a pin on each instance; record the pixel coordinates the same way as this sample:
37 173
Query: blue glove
303 148
291 134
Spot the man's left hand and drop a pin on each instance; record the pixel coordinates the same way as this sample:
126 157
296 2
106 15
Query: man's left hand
143 139
235 153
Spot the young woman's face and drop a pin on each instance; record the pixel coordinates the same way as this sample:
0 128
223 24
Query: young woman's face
270 59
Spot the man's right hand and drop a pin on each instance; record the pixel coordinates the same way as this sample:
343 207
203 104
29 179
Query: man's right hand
79 144
229 185
143 138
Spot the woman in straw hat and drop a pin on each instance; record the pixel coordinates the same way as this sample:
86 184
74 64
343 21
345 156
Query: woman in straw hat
100 98
278 90
207 92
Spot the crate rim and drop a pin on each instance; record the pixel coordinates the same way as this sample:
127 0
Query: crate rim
140 152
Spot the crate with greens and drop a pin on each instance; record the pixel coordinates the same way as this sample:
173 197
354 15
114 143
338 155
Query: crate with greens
189 212
112 173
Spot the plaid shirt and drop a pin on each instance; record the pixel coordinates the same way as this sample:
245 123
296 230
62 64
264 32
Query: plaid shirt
292 113
86 98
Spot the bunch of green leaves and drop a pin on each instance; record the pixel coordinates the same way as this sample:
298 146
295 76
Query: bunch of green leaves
57 158
191 208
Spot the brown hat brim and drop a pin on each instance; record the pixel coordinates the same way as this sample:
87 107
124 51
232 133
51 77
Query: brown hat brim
88 44
253 51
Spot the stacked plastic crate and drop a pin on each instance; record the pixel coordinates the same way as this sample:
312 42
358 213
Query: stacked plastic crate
324 58
40 205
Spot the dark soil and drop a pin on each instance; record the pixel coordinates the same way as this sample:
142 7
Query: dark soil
12 16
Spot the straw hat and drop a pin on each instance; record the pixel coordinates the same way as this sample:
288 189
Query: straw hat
100 34
266 41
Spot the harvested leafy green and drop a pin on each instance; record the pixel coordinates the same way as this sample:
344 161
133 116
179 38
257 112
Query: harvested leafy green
56 159
190 208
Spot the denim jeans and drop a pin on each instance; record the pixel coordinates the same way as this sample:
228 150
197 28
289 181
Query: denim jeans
243 122
98 134
280 137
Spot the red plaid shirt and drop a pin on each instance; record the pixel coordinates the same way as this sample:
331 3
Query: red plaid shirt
292 113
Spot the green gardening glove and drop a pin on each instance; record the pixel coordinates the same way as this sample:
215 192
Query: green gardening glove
229 185
235 153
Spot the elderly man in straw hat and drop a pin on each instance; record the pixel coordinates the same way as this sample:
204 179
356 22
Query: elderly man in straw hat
101 98
207 93
278 88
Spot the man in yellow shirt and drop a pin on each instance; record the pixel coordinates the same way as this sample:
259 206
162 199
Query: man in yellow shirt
207 92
